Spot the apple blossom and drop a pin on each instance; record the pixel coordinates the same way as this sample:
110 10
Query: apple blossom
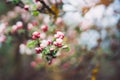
38 50
44 28
35 35
19 24
58 42
39 5
2 38
30 26
59 35
26 7
14 28
44 43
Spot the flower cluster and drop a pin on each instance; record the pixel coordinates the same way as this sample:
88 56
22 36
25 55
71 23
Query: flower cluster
59 39
50 47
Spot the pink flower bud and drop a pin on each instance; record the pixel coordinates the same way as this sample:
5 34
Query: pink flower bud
35 35
59 35
49 42
26 7
38 50
44 28
57 44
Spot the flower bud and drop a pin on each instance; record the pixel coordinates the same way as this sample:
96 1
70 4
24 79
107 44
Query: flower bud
35 35
44 28
38 50
26 7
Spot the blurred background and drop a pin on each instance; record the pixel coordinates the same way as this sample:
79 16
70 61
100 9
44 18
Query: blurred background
92 30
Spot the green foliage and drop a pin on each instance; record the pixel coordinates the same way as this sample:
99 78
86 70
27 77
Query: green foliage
35 13
66 48
31 44
16 1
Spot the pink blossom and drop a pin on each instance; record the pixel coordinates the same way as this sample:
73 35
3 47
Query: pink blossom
59 35
39 5
2 38
44 44
38 50
30 26
44 28
35 35
14 28
26 7
19 24
58 42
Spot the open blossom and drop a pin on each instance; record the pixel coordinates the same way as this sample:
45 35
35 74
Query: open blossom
43 36
2 28
23 49
14 28
2 38
59 21
35 35
30 26
59 41
59 35
39 5
19 24
44 43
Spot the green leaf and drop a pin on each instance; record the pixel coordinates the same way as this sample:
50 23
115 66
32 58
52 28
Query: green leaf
16 1
35 13
67 49
45 51
31 44
21 31
54 53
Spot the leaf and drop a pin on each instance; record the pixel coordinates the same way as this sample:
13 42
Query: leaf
67 49
31 44
16 1
54 53
35 13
